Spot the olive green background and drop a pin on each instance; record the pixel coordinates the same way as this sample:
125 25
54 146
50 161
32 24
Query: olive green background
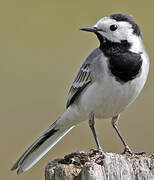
41 49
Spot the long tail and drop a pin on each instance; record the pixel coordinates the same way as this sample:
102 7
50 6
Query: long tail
46 141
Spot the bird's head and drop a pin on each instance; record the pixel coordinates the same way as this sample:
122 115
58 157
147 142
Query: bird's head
117 28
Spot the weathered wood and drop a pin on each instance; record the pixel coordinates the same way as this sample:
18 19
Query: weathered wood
93 166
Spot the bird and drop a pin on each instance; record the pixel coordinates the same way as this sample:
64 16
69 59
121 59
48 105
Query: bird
109 80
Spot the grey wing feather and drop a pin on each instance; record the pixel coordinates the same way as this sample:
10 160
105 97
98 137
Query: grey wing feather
82 79
85 75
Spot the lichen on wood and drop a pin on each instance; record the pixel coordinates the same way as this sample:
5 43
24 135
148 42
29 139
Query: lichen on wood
95 166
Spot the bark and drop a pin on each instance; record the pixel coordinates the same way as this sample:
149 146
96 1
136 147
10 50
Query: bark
94 166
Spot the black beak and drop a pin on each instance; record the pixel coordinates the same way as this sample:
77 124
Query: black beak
90 29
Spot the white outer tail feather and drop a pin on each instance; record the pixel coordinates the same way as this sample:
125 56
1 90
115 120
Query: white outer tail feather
35 156
46 141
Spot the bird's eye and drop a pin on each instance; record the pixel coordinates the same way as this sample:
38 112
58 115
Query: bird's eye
113 27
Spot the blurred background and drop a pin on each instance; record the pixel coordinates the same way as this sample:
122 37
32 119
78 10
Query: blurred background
41 50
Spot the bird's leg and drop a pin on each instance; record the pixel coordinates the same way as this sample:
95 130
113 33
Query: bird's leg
114 124
127 148
91 125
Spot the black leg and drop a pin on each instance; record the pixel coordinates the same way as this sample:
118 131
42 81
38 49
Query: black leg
91 125
127 149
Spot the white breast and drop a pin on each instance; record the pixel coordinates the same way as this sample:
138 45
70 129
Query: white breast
106 97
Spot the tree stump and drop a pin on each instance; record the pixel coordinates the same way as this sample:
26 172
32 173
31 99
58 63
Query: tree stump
94 166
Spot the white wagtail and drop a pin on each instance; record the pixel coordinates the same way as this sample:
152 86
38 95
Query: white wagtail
109 80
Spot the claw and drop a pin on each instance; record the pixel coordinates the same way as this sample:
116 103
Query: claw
99 151
127 150
139 153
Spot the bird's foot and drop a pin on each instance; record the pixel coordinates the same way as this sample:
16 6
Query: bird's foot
101 152
127 150
97 151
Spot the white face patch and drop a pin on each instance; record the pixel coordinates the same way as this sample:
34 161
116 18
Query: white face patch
123 32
